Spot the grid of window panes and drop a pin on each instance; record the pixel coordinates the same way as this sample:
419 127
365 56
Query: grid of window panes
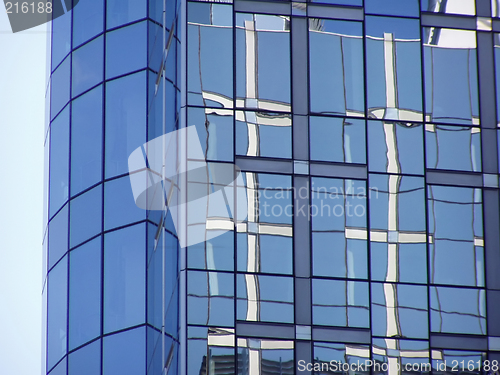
373 114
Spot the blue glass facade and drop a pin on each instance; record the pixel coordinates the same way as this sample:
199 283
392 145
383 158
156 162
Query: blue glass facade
367 135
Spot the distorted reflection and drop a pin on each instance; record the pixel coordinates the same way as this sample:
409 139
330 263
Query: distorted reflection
458 310
444 362
399 310
452 147
342 354
336 67
265 357
211 351
398 357
445 6
210 55
393 68
451 89
340 303
456 240
262 62
267 134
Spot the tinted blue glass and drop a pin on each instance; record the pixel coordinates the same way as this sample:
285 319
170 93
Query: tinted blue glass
125 121
58 236
61 38
407 8
120 12
126 50
86 140
496 38
60 369
337 139
341 2
86 361
57 313
85 216
59 162
88 20
124 353
216 253
119 204
88 66
85 293
124 278
211 298
60 87
444 6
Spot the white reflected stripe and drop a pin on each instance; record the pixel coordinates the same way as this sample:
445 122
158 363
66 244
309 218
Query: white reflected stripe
254 362
252 253
253 140
251 65
392 262
390 76
392 320
221 340
222 224
252 302
275 344
392 220
478 241
278 229
356 233
377 236
357 352
224 100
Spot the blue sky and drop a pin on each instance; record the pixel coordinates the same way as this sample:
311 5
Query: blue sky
22 113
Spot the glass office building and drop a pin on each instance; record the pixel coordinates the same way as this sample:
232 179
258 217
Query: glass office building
367 136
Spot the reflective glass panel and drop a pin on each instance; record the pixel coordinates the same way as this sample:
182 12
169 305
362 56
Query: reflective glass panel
126 49
216 253
124 278
263 62
210 55
341 2
399 310
210 298
263 134
495 8
337 139
120 12
393 67
60 369
124 353
395 147
58 236
85 293
336 67
340 303
88 20
125 121
265 298
59 87
265 356
458 310
445 6
352 354
85 216
451 90
59 162
411 356
86 140
88 66
61 38
449 361
338 210
408 8
455 236
86 361
210 348
496 40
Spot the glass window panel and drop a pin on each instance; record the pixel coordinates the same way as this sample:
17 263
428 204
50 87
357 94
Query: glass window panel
411 356
88 20
216 253
496 40
455 236
58 236
341 2
123 353
125 121
407 8
86 216
88 66
353 354
211 298
444 6
265 298
124 280
215 131
126 49
59 87
395 147
340 303
337 139
59 162
85 293
86 360
120 12
336 67
263 62
57 313
210 55
338 210
61 37
393 67
265 356
399 310
453 147
445 360
86 140
451 90
60 369
218 355
458 310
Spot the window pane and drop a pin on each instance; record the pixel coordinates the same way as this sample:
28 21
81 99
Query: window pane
125 121
263 356
86 216
88 20
475 359
124 278
216 253
336 67
408 8
126 50
210 55
85 293
337 139
59 162
60 82
218 355
409 354
341 353
60 369
86 361
341 2
123 353
61 36
58 236
88 66
444 6
120 12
